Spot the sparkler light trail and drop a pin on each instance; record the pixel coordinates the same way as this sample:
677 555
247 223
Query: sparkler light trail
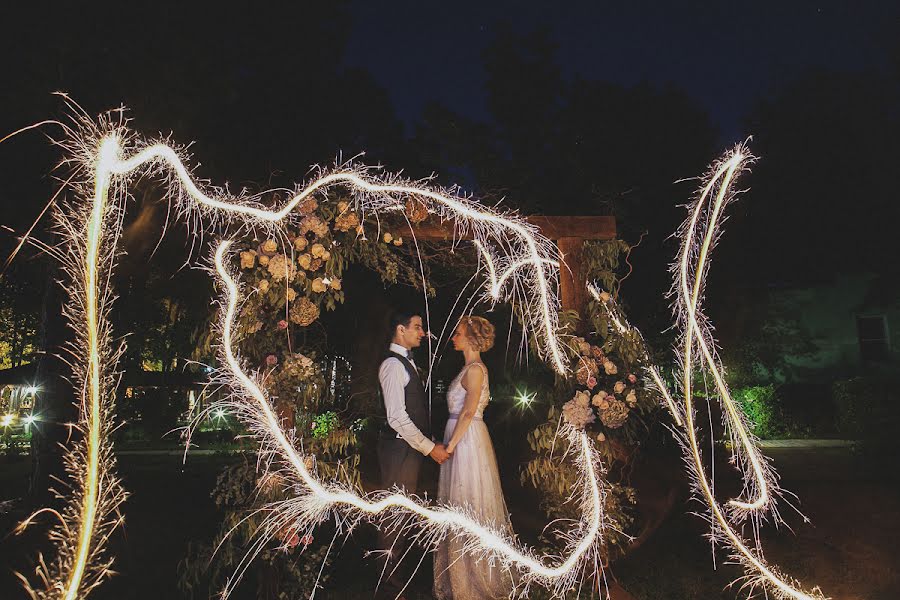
523 267
92 228
315 499
759 480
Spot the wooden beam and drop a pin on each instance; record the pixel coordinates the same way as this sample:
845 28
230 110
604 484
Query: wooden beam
586 228
569 233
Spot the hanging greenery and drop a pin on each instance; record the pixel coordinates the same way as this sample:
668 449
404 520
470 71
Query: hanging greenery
605 394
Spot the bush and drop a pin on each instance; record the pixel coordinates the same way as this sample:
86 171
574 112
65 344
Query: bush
763 411
806 409
867 408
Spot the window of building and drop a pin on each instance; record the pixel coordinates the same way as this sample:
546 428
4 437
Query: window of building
873 337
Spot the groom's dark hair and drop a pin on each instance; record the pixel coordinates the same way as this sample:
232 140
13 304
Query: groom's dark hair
401 317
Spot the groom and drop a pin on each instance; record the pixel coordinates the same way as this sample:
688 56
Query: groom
406 440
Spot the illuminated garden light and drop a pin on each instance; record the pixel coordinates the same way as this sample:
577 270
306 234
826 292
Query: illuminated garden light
524 399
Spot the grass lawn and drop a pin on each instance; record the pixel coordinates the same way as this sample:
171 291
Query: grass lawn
849 549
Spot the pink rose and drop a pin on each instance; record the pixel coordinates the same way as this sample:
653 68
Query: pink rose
271 360
282 324
632 378
292 541
592 382
307 539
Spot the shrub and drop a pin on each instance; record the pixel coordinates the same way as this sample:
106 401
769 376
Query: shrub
866 408
763 410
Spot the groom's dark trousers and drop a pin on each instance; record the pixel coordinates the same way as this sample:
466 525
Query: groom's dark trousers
400 465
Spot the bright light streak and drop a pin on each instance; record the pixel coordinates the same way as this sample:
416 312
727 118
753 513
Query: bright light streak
92 509
7 420
695 334
30 419
31 390
106 158
496 283
484 223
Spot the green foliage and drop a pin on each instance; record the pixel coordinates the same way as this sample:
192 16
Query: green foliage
20 293
324 424
867 408
278 571
760 404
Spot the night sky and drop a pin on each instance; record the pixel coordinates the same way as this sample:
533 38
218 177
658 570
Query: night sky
725 55
265 93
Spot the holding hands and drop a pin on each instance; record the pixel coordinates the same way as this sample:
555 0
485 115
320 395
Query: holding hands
440 453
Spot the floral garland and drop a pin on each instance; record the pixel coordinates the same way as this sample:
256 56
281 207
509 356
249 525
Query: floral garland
606 395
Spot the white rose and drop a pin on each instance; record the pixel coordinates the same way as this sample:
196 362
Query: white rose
631 399
582 399
598 398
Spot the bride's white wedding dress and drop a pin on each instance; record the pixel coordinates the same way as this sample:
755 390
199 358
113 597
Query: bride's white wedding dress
470 480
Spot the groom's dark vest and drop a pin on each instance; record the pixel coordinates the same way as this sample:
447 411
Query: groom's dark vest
414 396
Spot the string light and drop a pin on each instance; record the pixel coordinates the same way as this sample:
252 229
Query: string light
523 398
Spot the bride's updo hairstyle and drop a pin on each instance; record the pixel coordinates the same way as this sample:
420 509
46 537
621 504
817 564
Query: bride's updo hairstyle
479 332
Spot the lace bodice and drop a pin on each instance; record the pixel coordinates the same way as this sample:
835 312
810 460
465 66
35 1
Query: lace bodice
456 393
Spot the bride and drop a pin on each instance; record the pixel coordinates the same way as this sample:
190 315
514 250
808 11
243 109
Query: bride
470 480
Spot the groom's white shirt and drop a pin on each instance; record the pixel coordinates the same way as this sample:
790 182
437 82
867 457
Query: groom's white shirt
394 378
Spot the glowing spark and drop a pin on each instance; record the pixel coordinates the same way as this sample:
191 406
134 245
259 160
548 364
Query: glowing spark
688 303
7 420
30 419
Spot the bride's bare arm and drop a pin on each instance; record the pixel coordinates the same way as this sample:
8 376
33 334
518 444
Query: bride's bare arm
472 382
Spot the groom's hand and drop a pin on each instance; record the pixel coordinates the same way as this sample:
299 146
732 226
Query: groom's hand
439 453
